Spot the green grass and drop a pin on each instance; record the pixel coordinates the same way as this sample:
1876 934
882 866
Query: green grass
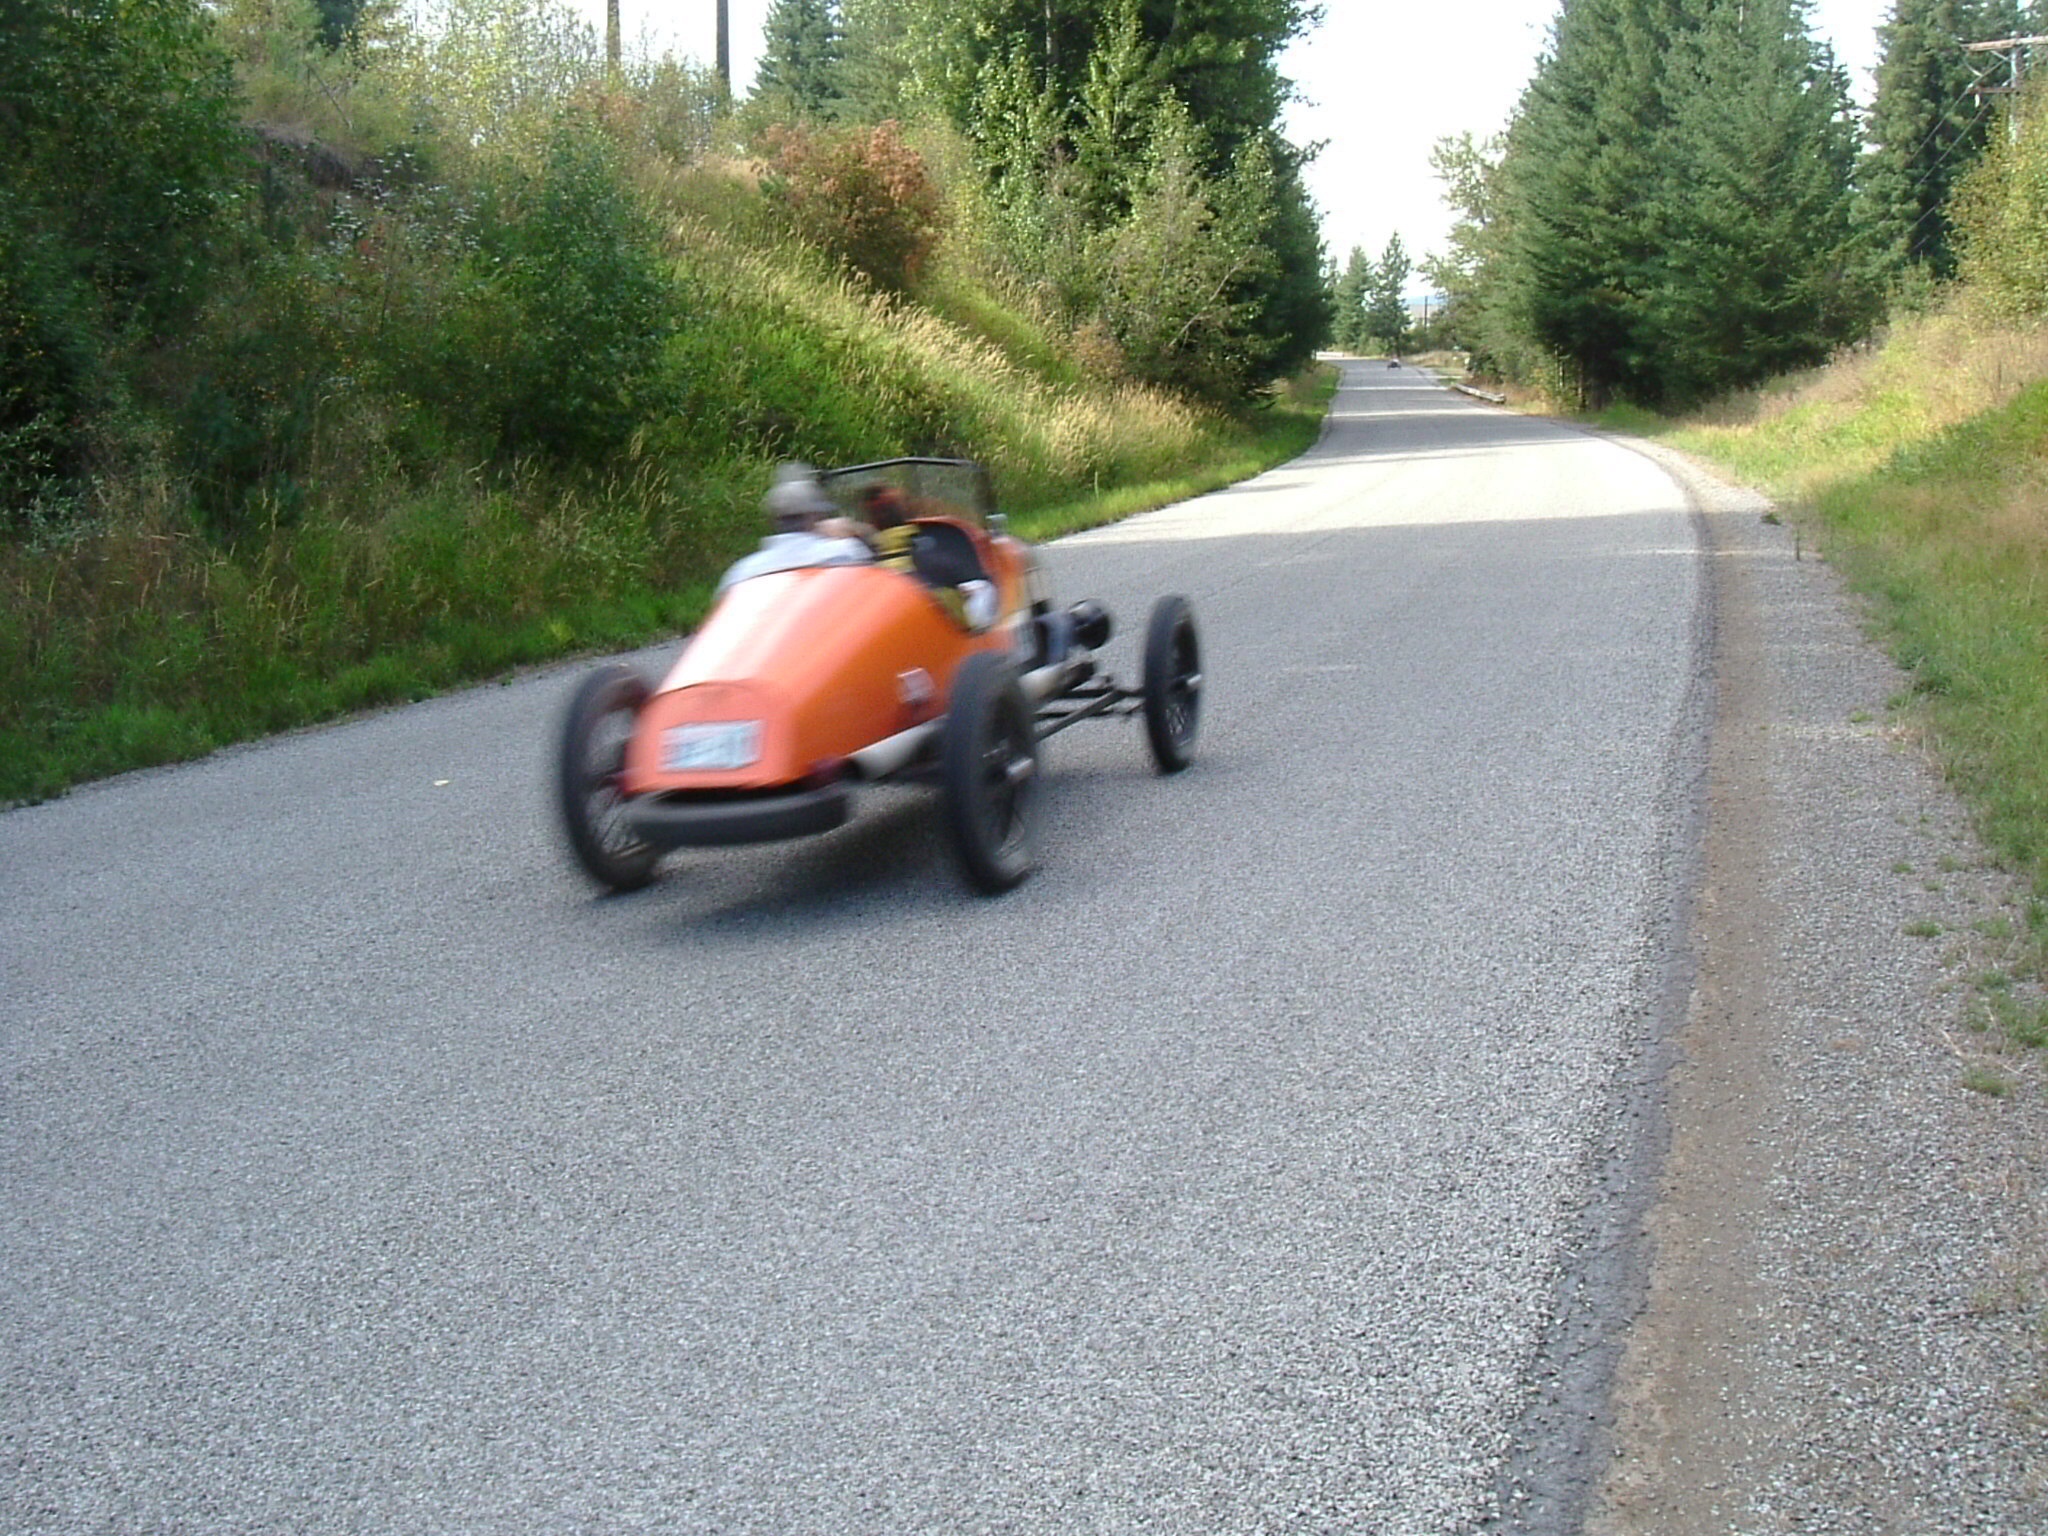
1983 1080
151 645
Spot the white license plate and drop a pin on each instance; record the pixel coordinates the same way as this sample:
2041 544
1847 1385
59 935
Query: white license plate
711 745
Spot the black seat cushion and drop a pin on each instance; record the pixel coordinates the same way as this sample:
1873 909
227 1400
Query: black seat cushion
944 555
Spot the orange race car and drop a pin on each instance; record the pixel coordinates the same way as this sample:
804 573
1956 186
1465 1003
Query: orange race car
942 659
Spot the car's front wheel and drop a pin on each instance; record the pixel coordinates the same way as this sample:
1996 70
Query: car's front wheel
595 730
1173 683
988 764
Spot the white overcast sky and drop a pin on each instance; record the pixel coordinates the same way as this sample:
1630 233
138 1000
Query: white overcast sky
1380 83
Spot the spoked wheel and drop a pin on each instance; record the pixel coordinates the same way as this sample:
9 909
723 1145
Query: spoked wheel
595 731
989 767
1173 683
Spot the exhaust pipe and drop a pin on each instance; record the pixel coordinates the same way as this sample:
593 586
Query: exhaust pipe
892 753
1057 677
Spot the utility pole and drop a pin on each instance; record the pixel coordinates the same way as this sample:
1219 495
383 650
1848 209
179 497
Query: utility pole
611 36
2013 54
725 46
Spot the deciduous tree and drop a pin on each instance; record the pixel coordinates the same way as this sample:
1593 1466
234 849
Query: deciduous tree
2001 216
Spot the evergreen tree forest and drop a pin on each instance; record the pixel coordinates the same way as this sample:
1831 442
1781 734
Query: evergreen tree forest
1665 150
1686 202
802 61
1930 120
1370 300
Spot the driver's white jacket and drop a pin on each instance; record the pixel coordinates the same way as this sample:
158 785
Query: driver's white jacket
790 551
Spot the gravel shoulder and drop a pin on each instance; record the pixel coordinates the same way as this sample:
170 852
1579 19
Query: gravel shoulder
1846 1325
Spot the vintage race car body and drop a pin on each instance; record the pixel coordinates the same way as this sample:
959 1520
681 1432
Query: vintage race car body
804 683
826 660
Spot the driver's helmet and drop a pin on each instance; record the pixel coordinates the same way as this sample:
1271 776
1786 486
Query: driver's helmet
797 499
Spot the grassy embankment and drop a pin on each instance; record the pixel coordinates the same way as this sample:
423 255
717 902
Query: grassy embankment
147 641
1920 467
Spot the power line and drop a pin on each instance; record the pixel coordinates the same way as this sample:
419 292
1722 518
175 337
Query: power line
1941 121
1961 139
2014 53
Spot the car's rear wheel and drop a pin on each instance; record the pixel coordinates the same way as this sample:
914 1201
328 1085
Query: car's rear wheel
595 730
989 769
1173 683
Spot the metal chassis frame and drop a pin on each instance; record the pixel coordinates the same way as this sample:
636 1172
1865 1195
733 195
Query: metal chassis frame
1102 695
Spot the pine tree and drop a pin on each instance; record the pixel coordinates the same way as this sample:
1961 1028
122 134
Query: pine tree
1927 126
1222 57
1676 194
800 58
1119 103
1348 299
888 50
1758 269
1386 305
1582 165
1288 308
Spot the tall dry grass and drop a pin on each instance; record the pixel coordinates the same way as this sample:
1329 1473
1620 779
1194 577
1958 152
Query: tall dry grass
1922 375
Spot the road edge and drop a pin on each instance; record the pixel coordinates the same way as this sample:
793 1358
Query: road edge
1819 1345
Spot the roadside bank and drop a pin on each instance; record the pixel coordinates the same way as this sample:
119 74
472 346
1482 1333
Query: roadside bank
1844 1330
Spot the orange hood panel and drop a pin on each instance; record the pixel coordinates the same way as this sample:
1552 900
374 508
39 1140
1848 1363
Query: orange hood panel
796 670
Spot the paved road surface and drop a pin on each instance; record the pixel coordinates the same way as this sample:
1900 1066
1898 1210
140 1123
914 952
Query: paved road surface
364 1173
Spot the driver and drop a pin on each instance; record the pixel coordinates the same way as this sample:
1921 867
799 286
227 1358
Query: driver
889 517
973 604
806 530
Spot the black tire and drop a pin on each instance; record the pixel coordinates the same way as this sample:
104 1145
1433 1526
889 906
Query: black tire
1173 683
988 767
595 729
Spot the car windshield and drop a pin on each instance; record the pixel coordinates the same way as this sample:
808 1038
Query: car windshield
932 487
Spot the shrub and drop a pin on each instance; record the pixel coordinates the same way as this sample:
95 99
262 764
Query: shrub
121 133
2000 213
861 195
49 368
552 334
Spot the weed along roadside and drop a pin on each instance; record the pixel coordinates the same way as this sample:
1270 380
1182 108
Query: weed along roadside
133 646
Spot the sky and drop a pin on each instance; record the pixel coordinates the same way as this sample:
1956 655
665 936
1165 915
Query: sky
1380 84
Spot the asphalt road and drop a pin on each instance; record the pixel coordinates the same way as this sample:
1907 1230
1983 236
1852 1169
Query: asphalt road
364 1173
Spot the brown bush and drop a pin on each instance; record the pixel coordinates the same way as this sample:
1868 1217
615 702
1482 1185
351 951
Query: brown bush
862 195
